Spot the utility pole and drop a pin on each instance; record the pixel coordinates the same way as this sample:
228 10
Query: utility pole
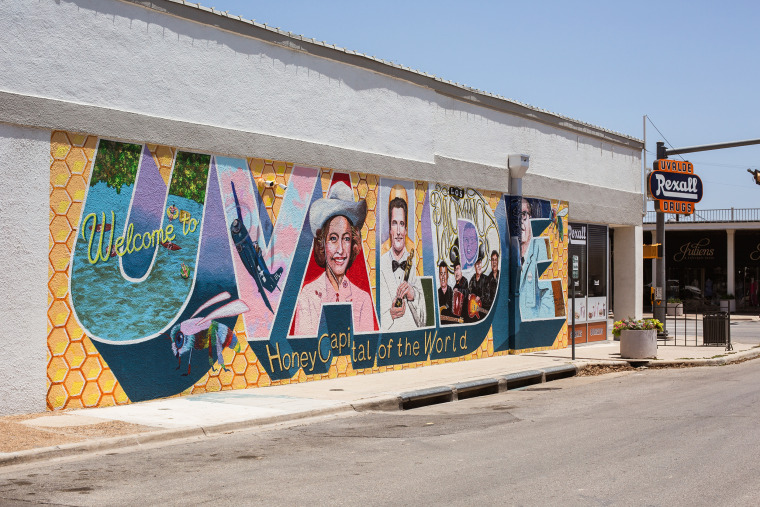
658 310
663 153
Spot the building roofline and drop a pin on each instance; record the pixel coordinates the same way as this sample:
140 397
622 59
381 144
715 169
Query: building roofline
704 226
250 28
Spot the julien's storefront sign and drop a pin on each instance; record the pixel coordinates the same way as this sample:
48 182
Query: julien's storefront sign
695 250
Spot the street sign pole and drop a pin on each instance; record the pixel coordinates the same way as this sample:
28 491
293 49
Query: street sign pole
573 330
658 309
574 278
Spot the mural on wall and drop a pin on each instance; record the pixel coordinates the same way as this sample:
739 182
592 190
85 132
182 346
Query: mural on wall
175 272
403 301
540 309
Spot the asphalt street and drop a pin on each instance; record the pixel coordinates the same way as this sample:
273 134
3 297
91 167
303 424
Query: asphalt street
648 437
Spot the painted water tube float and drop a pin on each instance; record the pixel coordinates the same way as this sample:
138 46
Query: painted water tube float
172 212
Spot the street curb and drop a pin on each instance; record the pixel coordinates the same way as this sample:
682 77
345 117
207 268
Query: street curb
486 385
215 429
522 379
559 372
97 445
479 387
151 437
389 402
427 396
728 358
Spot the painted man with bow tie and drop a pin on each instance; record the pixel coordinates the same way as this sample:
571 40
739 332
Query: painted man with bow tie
402 303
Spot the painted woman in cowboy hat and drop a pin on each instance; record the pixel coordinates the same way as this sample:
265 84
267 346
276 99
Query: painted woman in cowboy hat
335 222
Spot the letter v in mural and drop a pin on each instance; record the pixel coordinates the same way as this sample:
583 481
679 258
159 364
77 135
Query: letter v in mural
182 272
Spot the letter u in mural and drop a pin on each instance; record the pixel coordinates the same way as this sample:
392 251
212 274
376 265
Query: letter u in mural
184 272
154 274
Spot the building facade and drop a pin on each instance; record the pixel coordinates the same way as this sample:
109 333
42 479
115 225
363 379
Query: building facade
196 202
712 255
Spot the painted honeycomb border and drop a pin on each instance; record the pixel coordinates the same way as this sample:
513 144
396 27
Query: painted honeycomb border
78 376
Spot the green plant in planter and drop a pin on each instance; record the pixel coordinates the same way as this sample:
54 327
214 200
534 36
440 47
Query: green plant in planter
674 301
726 296
635 325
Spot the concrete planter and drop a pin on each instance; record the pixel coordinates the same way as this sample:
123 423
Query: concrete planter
728 305
675 309
638 344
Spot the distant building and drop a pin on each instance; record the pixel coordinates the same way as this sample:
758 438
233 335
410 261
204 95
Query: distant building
710 255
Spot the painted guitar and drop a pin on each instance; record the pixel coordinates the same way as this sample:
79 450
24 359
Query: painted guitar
446 318
475 307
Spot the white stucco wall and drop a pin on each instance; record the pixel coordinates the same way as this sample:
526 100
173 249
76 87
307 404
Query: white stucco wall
24 222
118 70
121 56
603 177
468 132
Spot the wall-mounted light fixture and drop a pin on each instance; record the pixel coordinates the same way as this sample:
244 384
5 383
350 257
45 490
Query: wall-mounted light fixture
518 166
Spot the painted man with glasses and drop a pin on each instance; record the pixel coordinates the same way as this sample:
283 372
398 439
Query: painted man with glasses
536 295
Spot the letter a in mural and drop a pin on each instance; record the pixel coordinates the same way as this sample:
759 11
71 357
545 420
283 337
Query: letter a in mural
335 222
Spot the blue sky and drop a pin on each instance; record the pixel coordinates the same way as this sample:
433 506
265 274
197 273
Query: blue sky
692 67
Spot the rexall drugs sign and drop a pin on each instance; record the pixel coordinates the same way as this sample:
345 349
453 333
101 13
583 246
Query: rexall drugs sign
675 192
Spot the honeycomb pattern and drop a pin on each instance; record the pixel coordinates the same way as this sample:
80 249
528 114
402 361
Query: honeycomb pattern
366 187
269 170
420 191
559 252
77 375
163 156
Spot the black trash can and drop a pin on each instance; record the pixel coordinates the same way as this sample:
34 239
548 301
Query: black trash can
716 328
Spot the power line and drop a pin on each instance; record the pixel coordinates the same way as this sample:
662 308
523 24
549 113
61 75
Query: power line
729 166
662 135
698 162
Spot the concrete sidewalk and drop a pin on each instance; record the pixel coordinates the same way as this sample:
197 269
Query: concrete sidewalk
46 435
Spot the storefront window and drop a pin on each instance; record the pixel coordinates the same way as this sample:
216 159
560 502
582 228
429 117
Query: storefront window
590 243
597 261
578 234
747 263
696 263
